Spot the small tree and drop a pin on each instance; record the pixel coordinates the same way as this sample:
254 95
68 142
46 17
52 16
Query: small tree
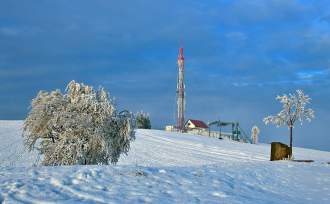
143 120
254 134
293 110
80 126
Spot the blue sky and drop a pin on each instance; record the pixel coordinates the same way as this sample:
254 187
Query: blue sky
239 56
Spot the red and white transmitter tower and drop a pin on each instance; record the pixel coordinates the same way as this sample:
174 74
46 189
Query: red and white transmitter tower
180 92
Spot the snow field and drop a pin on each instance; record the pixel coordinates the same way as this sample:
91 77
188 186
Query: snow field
12 150
165 167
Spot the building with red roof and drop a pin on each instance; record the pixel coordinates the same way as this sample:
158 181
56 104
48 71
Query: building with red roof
195 124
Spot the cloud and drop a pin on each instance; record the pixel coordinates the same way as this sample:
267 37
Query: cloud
325 18
241 12
238 53
312 74
15 31
8 31
236 36
240 84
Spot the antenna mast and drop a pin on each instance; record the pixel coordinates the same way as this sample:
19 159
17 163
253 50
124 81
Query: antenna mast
180 92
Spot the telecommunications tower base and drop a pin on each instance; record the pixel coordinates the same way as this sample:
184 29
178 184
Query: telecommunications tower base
180 93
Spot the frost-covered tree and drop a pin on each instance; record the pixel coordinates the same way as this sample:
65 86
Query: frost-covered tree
143 120
254 134
80 126
293 110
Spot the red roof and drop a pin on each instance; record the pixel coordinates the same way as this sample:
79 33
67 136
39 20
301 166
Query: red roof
198 123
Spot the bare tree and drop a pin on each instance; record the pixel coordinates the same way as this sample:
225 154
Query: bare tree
80 126
293 110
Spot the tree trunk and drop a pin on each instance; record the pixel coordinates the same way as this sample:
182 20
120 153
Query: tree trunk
291 136
290 154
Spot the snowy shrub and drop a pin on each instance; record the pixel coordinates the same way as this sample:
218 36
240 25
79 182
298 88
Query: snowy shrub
254 134
293 110
80 126
143 120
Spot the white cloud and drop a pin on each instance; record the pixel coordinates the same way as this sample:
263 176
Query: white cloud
9 31
312 74
18 30
236 36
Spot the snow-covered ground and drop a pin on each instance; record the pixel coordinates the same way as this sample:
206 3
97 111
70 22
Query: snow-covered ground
165 167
